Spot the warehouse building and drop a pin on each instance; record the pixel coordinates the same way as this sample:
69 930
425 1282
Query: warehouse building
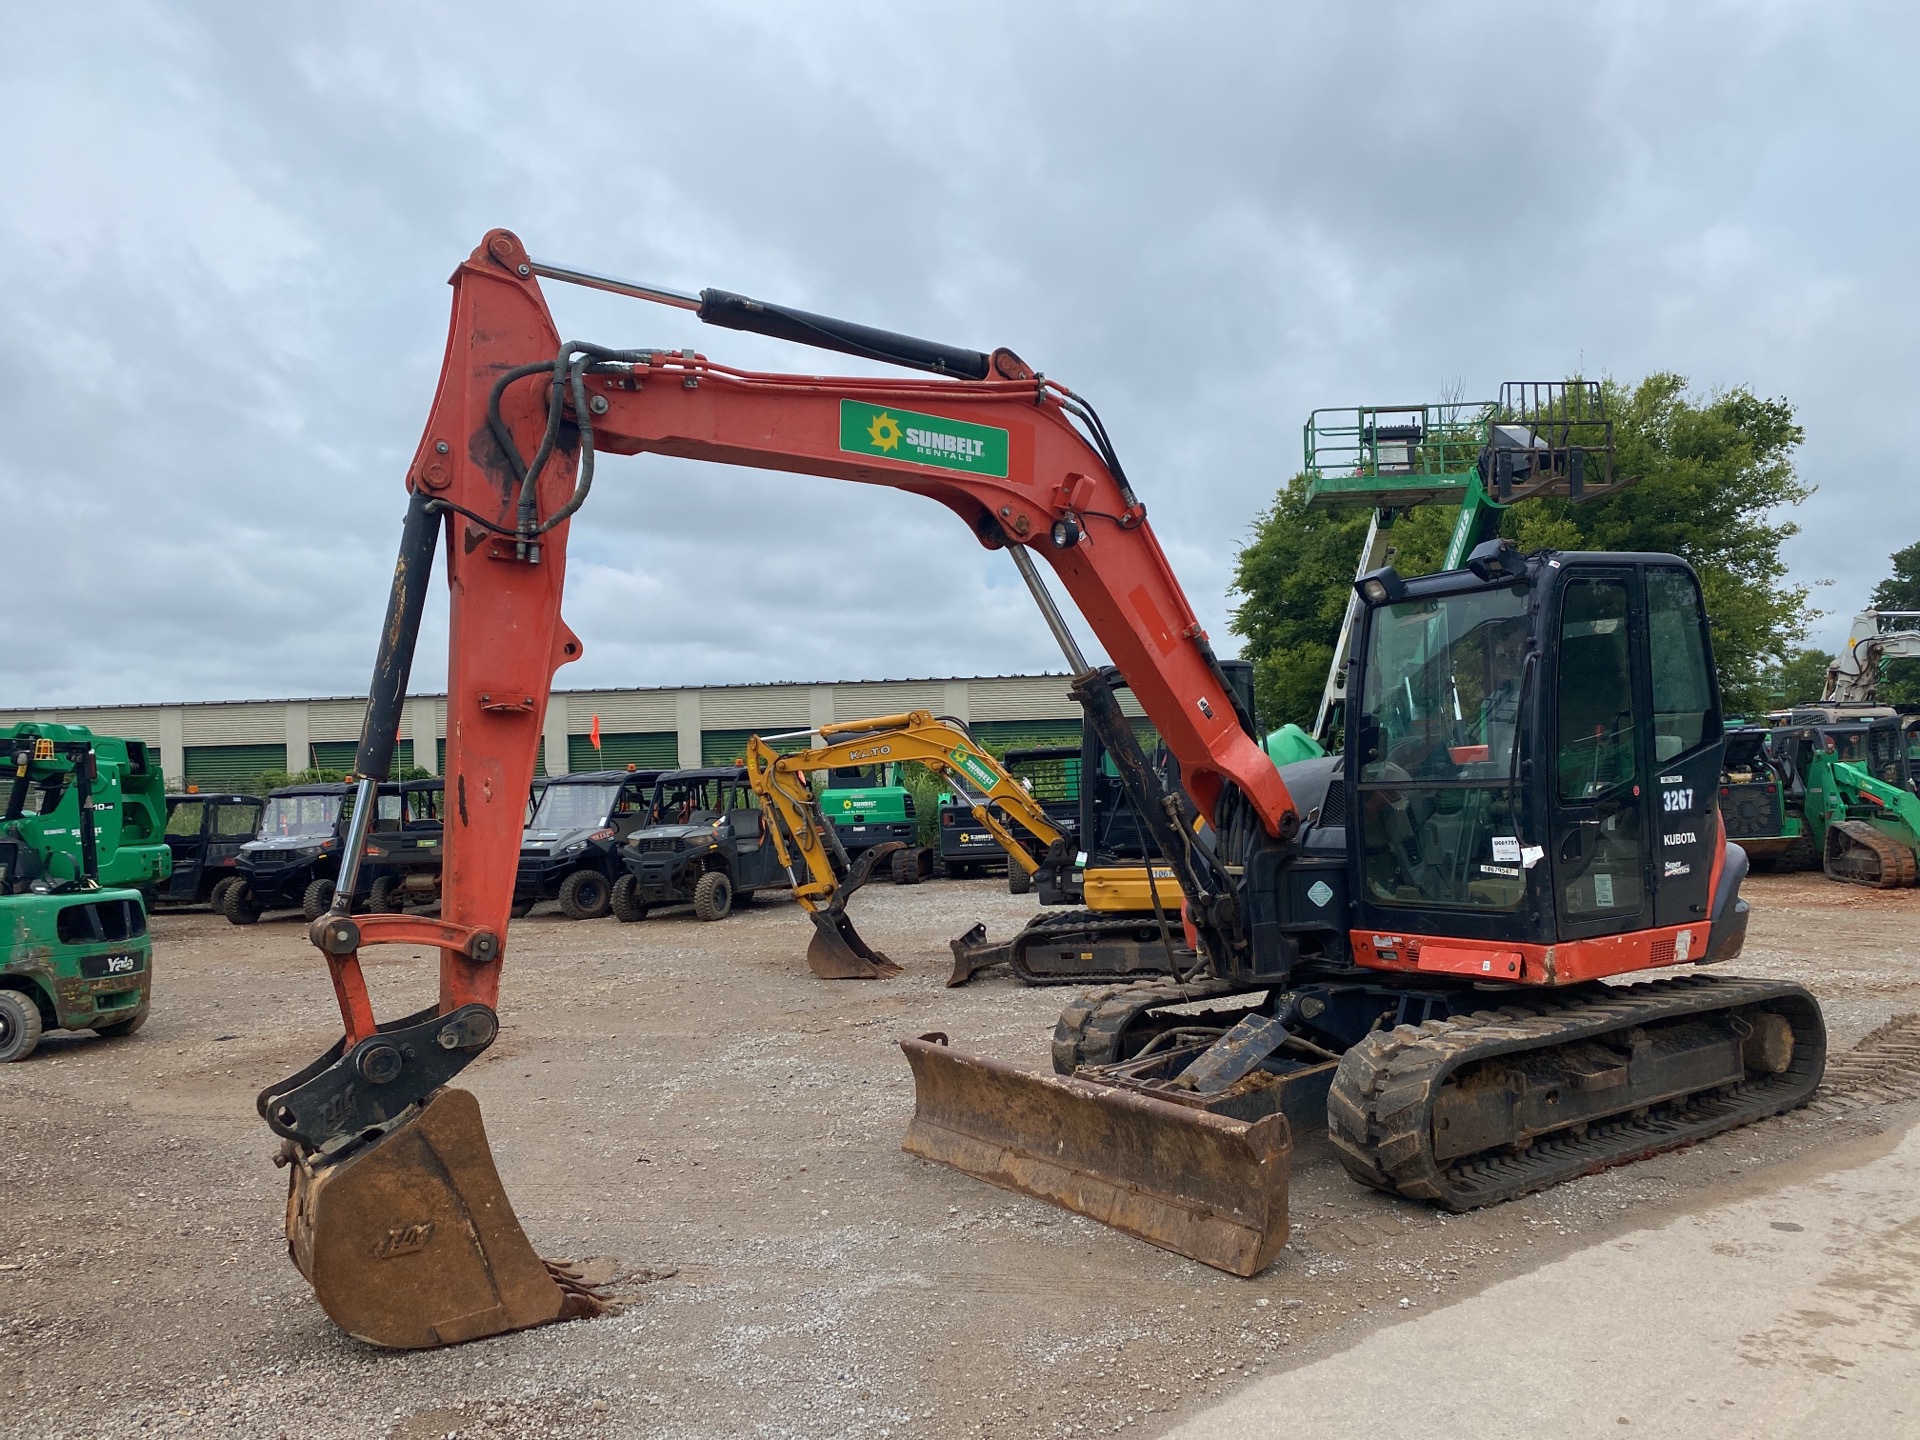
219 744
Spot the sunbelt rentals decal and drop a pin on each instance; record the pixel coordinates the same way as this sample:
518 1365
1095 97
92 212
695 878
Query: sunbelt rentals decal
922 439
970 766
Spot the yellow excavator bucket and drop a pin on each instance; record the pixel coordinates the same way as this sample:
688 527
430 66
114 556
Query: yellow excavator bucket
410 1243
1185 1179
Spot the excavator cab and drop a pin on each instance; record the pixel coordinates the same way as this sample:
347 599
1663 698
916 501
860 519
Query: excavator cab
1536 762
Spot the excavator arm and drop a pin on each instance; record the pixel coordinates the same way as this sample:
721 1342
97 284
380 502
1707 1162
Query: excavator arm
804 839
1877 636
506 459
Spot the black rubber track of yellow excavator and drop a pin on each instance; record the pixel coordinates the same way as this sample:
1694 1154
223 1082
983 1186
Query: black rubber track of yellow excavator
1381 1111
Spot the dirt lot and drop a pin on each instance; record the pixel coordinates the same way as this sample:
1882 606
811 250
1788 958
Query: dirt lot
688 1105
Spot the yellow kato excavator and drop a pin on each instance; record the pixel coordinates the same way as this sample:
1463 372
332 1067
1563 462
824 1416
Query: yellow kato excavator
807 845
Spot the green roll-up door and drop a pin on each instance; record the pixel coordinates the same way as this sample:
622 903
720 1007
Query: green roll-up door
729 747
338 755
232 767
643 749
1025 734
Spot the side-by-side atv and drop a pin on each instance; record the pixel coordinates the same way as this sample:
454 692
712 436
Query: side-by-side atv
705 845
404 849
294 862
569 850
205 833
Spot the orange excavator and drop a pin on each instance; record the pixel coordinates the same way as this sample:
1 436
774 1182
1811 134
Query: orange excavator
1403 943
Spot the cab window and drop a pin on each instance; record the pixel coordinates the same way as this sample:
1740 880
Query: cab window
186 818
1684 714
236 819
1596 690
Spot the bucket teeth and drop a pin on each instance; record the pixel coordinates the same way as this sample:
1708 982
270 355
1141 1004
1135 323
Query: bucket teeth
583 1299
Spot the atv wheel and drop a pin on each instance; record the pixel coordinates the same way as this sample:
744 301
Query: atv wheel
585 895
217 896
19 1025
713 896
1019 882
237 904
627 909
520 909
120 1029
316 901
906 868
380 898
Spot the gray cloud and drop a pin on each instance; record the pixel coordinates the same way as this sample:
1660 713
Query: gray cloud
229 230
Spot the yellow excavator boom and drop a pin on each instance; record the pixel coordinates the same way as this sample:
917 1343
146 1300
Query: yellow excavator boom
805 842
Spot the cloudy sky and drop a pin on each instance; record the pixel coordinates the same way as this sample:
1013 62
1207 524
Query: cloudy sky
228 228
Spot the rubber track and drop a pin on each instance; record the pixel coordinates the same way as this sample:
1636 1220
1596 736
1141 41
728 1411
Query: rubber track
1051 929
1893 863
1090 1030
1379 1112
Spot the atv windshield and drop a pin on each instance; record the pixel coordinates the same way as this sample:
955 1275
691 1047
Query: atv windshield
574 807
1436 743
291 815
688 801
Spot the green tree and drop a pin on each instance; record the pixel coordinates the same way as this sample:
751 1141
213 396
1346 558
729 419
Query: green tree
1294 576
1900 680
1799 678
1711 474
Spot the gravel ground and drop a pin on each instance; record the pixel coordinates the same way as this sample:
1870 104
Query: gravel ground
717 1132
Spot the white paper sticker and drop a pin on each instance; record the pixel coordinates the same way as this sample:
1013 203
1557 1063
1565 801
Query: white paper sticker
1506 849
1602 890
1531 855
1683 945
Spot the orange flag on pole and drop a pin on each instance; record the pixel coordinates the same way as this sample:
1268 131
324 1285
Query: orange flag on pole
593 732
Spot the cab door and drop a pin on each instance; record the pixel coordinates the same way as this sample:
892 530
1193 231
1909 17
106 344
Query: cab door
1689 746
187 840
1598 811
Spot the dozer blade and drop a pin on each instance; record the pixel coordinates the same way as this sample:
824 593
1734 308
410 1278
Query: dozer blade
410 1242
1187 1180
836 951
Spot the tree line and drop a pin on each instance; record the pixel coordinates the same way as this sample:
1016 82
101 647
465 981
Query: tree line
1714 482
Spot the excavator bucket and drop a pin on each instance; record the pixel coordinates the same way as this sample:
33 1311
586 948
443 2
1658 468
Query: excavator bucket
836 951
1185 1179
410 1243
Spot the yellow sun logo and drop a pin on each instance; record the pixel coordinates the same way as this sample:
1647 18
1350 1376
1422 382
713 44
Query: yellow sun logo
884 431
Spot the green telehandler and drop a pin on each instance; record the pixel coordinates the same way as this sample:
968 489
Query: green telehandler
74 954
129 799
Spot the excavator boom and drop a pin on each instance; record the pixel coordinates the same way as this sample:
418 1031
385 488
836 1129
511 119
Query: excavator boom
381 1192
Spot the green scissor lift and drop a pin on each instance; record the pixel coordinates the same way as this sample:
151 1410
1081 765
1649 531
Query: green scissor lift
1541 437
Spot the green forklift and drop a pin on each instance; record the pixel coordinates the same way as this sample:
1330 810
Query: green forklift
74 954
